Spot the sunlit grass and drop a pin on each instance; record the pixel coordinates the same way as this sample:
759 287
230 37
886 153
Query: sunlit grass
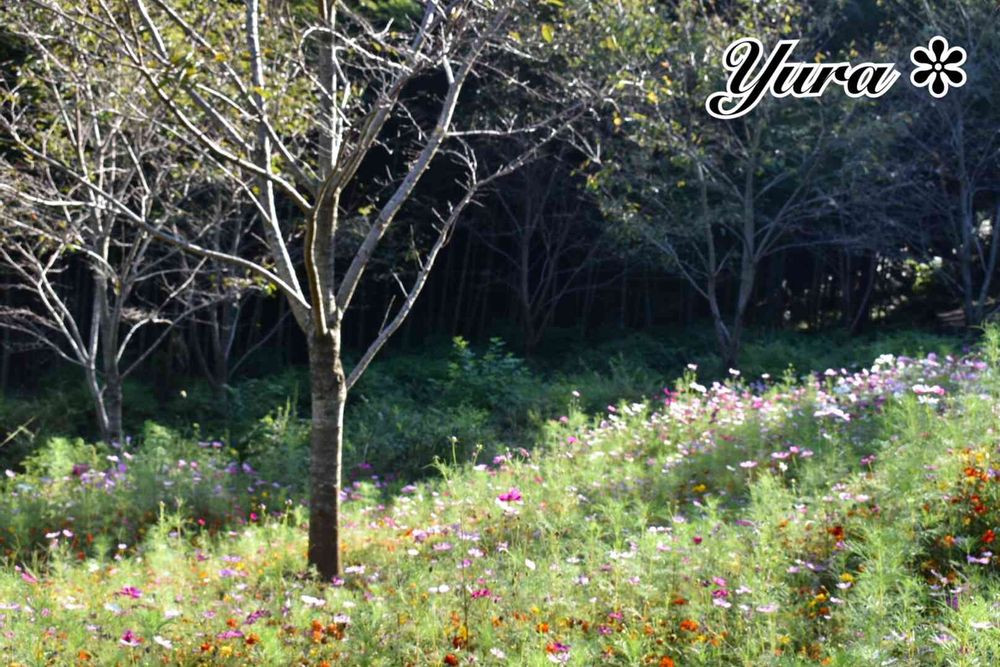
846 519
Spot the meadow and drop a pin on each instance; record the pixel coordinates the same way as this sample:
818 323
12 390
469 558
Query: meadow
846 517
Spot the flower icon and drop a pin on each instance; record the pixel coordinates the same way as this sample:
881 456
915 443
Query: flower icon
938 66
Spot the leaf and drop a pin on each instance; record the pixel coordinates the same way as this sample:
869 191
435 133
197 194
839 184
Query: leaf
548 32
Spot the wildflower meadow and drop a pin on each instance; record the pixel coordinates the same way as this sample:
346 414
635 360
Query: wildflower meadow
841 518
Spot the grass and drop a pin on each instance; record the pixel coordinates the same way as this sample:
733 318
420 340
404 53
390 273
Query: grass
407 408
845 519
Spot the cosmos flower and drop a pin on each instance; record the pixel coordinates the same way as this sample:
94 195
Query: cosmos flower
511 496
311 601
129 639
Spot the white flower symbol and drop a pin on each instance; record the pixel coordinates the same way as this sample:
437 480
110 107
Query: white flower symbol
938 66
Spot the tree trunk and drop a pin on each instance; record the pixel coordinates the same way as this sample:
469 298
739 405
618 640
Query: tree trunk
5 351
967 221
113 408
97 396
622 298
456 320
329 394
111 393
863 315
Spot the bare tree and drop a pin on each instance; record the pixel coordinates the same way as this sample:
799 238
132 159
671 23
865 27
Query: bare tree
545 238
291 105
714 197
955 178
221 292
85 169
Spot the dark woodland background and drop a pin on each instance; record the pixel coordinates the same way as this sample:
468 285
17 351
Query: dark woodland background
580 271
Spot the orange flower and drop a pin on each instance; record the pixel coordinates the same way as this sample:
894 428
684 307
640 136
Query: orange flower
232 622
450 659
989 536
252 638
666 661
689 625
542 627
336 630
678 601
83 656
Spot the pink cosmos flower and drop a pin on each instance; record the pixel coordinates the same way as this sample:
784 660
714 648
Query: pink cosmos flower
130 592
512 496
129 639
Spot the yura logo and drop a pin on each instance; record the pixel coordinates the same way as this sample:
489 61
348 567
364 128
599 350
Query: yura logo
752 76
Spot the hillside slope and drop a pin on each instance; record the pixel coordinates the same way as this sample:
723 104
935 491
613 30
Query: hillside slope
847 519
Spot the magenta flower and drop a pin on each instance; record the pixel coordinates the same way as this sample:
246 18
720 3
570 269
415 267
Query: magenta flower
130 592
129 639
557 647
512 496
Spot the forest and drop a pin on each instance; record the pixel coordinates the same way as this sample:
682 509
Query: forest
420 332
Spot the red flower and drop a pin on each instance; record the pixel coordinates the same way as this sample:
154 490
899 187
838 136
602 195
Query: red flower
450 659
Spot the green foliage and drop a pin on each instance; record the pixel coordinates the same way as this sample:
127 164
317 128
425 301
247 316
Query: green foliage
103 496
279 447
492 379
847 520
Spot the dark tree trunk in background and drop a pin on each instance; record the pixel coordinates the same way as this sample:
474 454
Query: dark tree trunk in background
460 297
862 316
622 298
5 351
